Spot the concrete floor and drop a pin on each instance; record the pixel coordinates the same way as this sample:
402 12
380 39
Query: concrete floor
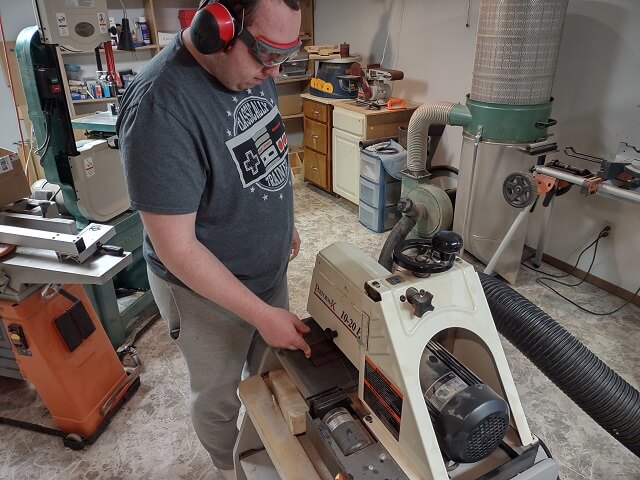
152 438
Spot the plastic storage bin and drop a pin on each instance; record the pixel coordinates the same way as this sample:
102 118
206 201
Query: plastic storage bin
379 194
378 219
371 168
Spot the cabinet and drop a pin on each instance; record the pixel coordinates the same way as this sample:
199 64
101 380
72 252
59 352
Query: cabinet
317 144
351 125
346 149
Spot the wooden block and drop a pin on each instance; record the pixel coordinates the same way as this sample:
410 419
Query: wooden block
291 403
288 457
320 48
328 51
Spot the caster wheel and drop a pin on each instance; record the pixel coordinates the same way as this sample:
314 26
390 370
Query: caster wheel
74 441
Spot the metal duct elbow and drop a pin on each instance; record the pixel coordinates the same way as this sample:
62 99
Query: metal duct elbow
418 132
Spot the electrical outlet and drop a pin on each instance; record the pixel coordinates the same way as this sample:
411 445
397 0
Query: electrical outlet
607 230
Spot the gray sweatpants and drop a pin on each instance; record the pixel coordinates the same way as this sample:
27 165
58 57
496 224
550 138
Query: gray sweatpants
215 344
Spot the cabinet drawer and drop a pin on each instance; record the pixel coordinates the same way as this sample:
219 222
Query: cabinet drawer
315 135
315 168
348 121
316 111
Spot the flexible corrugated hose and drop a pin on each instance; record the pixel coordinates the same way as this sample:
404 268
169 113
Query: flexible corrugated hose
399 233
417 135
587 380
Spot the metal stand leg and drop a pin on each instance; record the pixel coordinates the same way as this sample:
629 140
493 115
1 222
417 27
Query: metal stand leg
544 234
506 240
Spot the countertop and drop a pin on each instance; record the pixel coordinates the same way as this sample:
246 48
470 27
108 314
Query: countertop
349 104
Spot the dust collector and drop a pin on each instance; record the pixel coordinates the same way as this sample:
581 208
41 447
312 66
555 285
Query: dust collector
507 111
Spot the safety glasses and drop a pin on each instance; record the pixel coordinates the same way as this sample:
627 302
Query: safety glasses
268 53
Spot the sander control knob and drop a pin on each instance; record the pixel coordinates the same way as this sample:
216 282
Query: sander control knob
425 256
421 301
448 243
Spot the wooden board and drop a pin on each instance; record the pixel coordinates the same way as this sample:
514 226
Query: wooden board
314 456
315 56
322 49
288 457
291 403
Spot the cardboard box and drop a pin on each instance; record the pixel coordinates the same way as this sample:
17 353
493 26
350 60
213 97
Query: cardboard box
13 182
289 100
165 38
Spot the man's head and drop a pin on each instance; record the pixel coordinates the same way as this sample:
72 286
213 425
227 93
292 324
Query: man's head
266 32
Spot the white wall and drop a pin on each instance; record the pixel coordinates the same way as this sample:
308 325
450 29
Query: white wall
597 107
16 14
429 42
596 90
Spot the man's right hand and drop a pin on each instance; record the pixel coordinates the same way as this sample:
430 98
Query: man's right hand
283 329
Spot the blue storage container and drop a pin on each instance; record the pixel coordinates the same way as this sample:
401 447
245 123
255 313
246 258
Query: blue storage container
372 169
379 194
373 159
378 219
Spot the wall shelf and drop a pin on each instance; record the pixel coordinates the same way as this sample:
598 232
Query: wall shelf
115 50
283 80
95 100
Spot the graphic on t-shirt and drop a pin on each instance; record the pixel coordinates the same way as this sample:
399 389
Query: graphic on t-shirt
259 146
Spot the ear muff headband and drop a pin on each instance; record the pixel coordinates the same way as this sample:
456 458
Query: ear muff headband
213 28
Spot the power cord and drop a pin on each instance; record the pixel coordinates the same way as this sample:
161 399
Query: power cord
575 266
554 278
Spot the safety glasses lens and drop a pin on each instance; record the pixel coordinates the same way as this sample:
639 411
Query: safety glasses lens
271 56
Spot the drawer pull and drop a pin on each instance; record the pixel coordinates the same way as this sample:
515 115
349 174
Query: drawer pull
315 136
316 112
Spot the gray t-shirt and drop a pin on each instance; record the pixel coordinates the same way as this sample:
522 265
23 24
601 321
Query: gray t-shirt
190 145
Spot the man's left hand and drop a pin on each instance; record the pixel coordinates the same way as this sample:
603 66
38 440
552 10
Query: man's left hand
295 244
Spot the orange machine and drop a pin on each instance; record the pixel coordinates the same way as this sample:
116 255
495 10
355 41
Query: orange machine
62 349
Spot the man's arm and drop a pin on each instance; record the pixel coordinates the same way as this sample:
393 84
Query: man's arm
174 241
295 244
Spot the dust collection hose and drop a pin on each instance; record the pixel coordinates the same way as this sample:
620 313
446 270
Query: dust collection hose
397 234
588 381
417 135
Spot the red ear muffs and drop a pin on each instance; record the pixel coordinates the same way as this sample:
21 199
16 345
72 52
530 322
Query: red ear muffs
213 28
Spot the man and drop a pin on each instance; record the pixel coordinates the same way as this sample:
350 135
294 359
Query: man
205 158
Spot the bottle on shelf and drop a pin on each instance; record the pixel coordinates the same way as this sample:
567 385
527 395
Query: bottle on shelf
143 31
